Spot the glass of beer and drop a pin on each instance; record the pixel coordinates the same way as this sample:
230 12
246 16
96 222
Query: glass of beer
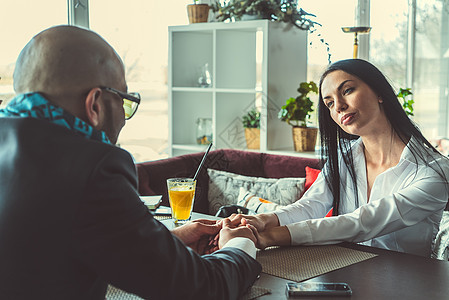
181 192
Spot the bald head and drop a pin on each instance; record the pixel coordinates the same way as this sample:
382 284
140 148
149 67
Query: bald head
64 62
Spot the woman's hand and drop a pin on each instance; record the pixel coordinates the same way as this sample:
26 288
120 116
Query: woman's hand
274 236
260 221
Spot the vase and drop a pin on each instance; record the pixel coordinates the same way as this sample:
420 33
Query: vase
304 138
205 80
204 131
198 13
252 136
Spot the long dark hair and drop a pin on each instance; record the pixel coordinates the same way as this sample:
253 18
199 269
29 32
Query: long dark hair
333 138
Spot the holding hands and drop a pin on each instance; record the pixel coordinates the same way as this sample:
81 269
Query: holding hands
268 232
229 232
241 220
206 236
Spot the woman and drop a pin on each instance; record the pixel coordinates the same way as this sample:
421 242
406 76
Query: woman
385 182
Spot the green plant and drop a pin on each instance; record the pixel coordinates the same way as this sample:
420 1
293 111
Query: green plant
297 110
251 119
275 10
407 100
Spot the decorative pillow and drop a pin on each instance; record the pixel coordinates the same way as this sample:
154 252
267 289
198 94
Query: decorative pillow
224 188
254 204
311 175
441 245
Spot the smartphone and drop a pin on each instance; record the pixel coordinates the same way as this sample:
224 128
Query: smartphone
295 289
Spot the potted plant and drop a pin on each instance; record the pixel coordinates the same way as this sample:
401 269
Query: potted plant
198 13
407 100
251 123
275 10
296 112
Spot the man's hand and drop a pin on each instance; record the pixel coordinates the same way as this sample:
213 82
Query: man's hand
260 221
198 234
229 232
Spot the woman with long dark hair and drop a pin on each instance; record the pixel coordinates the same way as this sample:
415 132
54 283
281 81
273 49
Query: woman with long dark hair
386 184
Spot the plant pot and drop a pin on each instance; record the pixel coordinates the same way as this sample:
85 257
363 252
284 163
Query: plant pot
252 136
198 13
304 139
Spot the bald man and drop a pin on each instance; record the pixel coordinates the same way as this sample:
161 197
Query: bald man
71 220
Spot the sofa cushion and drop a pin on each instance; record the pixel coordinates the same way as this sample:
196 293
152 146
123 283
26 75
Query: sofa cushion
255 204
224 188
153 174
311 176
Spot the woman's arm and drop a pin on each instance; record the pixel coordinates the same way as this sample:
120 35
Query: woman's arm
407 207
315 203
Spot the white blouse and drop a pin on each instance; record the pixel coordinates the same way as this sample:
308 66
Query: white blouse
403 212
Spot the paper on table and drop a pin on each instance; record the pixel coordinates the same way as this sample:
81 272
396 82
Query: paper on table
152 202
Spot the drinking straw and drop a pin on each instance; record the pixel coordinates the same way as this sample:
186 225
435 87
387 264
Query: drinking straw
202 162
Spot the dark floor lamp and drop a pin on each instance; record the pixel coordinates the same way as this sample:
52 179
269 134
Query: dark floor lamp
356 30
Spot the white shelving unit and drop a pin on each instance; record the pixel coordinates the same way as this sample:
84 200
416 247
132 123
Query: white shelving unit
252 63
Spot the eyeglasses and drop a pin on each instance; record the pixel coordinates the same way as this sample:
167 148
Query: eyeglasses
130 101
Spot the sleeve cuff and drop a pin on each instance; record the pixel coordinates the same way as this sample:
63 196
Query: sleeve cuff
300 233
244 244
282 217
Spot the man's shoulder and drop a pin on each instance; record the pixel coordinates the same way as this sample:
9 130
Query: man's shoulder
55 138
33 126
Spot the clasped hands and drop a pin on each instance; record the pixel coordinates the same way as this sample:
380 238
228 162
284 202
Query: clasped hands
206 236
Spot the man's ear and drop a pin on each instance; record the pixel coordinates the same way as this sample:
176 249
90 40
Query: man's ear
93 107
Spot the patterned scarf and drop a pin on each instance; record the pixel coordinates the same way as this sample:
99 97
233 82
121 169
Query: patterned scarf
34 105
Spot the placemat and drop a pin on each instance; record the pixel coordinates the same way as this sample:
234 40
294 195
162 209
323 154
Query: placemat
113 293
299 263
254 292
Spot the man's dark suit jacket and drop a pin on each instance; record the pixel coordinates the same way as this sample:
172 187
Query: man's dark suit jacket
71 221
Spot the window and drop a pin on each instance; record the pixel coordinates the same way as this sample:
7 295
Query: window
332 15
431 67
428 48
388 40
391 46
21 21
138 32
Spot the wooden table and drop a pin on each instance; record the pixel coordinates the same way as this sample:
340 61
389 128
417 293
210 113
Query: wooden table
390 275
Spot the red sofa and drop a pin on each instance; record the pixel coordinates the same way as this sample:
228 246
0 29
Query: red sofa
153 174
